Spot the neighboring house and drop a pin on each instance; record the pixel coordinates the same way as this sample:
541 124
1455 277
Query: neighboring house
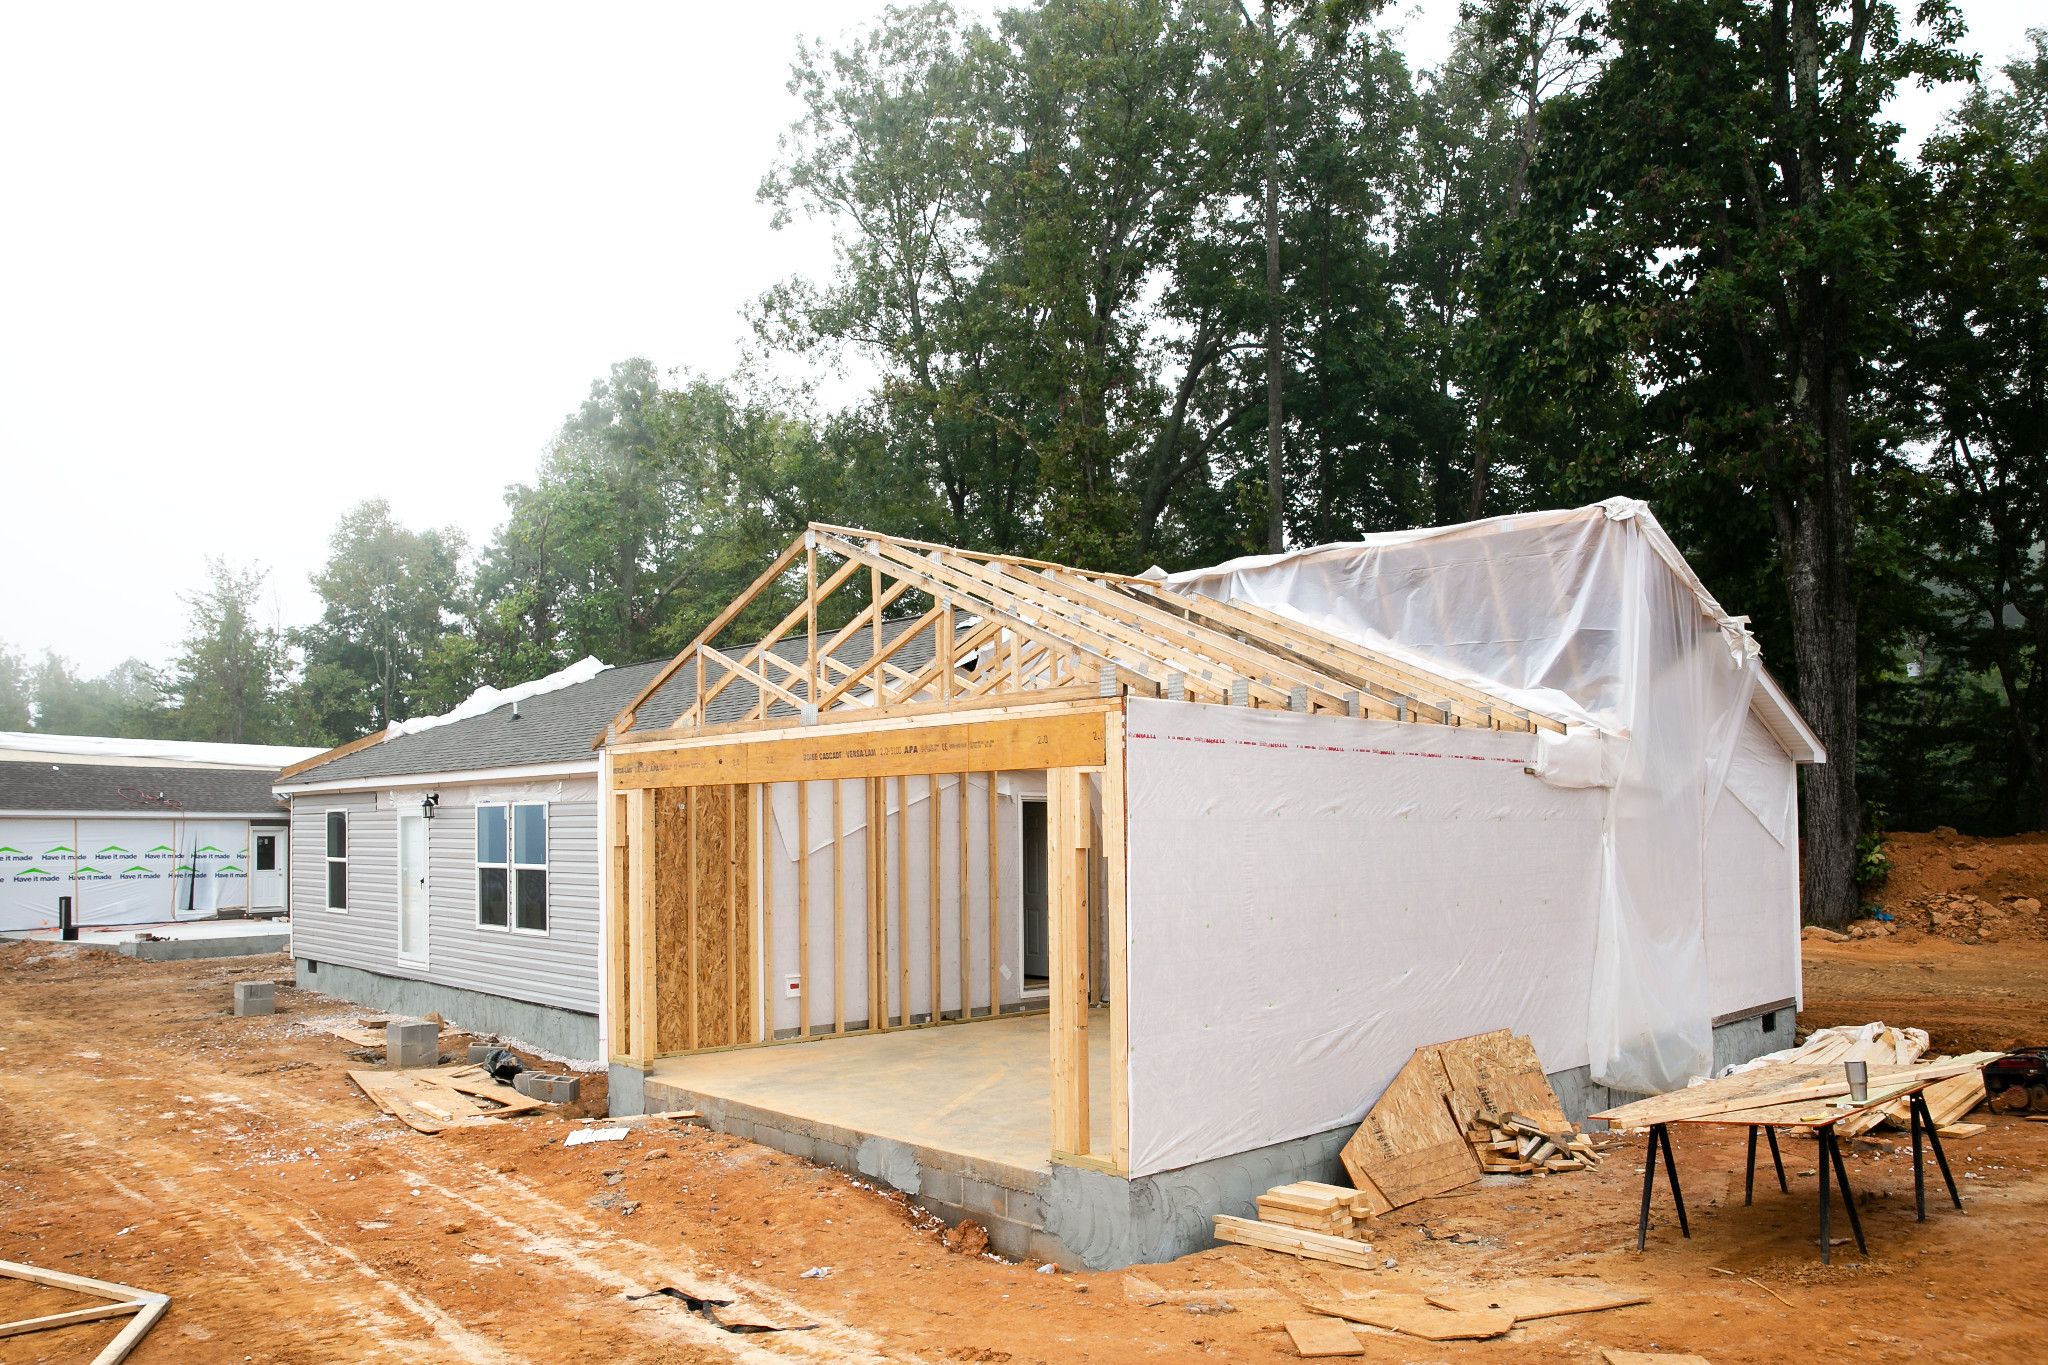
452 866
139 831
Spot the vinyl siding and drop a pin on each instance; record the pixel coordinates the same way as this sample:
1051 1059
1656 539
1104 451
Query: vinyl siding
558 968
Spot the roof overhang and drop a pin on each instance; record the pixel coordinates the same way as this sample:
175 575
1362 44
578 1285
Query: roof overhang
575 767
152 813
1770 705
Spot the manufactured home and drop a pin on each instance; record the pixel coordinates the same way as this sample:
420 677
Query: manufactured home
138 832
1090 906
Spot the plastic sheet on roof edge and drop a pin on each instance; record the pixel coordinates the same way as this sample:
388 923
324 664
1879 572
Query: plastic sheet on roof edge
1589 615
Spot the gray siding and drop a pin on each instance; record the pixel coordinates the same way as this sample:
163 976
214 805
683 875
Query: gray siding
557 969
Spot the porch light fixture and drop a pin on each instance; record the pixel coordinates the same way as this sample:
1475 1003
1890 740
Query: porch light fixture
427 806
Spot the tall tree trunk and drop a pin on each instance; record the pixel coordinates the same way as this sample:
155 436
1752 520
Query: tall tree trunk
1276 481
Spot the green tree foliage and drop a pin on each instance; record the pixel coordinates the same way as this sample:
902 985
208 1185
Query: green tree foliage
16 691
125 700
1711 253
389 598
227 683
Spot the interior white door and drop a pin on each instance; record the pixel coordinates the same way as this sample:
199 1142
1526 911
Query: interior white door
267 871
412 888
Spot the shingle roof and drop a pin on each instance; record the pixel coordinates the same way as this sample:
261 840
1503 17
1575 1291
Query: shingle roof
561 726
136 790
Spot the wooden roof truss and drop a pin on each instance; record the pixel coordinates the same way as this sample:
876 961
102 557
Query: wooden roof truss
989 628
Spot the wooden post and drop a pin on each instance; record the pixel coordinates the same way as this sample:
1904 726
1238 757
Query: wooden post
691 994
803 909
931 885
764 864
966 919
877 908
838 915
811 665
732 913
640 890
1115 854
995 897
1067 824
903 901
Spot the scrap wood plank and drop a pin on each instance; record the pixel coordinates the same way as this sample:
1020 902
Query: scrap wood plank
475 1081
1409 1146
1316 1338
142 1307
1528 1300
429 1099
1415 1316
1312 1246
1774 1087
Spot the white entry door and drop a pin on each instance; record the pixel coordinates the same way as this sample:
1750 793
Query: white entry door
267 870
412 889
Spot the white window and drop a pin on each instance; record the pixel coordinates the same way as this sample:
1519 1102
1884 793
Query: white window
512 867
337 860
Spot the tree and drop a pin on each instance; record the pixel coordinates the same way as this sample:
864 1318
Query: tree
231 670
127 700
15 692
388 594
1711 239
1979 353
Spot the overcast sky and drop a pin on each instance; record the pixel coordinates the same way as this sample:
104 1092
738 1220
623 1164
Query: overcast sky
259 263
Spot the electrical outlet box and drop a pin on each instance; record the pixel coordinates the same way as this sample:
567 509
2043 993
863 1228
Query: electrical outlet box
792 986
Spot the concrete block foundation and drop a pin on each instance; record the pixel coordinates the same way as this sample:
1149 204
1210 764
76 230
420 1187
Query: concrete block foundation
1079 1218
543 1028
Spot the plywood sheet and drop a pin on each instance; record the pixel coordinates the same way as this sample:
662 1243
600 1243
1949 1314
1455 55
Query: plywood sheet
1417 1317
1499 1073
1409 1147
1319 1338
1537 1299
672 866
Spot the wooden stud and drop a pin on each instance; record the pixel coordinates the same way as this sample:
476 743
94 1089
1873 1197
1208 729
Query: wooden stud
803 909
966 919
764 862
838 916
811 616
903 900
877 905
640 882
931 882
1066 807
732 912
691 982
995 954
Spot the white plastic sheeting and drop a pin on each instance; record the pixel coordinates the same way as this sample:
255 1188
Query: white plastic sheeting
910 868
1311 898
1589 615
172 751
487 699
120 871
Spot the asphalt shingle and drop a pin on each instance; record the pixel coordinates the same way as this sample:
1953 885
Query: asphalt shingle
124 789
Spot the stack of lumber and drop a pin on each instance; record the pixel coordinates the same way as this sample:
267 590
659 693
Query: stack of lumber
1882 1047
1315 1207
1459 1110
1311 1246
1511 1144
1794 1095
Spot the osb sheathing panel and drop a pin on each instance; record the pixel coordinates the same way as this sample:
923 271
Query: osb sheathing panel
704 855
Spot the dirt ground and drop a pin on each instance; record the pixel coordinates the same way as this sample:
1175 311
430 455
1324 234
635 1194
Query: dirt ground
149 1138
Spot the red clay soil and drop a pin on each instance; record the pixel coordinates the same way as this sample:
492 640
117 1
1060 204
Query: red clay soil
1968 889
149 1138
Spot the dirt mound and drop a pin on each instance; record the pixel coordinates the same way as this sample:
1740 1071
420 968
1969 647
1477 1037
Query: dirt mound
1967 889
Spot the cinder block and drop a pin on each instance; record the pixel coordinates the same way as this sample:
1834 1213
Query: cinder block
479 1051
255 997
548 1089
412 1042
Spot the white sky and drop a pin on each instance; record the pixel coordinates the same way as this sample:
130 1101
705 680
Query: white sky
258 263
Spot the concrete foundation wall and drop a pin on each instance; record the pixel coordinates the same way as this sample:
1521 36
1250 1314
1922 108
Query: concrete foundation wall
562 1033
1080 1218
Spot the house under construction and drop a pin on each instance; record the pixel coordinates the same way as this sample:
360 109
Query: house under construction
1089 906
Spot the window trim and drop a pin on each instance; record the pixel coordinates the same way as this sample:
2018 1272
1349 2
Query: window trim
328 859
512 867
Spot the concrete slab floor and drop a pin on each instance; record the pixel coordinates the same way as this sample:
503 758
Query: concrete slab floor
980 1089
107 934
